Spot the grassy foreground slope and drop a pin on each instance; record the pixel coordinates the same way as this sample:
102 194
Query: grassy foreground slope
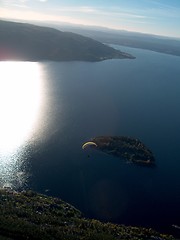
29 215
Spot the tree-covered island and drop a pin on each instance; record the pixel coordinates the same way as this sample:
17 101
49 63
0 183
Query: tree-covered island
130 149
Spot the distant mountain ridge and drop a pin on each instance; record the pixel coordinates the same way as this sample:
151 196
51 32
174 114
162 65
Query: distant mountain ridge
156 43
28 42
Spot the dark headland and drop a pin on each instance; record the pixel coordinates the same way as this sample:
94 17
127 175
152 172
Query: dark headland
27 42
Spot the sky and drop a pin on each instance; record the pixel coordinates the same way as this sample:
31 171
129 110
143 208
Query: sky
160 17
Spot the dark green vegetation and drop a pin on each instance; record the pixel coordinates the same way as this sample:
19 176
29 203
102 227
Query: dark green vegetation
28 215
128 148
27 42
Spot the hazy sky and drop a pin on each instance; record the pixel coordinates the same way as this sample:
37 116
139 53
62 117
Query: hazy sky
160 17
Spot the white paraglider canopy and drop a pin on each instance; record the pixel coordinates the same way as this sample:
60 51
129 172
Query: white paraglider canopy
87 144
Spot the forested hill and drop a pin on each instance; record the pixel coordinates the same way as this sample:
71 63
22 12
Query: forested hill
27 42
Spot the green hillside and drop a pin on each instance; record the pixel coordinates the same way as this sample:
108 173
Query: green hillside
28 215
27 42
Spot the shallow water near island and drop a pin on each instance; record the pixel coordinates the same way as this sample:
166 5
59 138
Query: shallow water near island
75 101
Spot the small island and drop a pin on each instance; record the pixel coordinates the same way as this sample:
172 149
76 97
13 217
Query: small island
130 149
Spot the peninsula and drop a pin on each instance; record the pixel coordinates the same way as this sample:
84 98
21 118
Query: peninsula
28 42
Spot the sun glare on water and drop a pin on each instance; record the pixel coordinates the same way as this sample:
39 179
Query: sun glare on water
20 101
20 88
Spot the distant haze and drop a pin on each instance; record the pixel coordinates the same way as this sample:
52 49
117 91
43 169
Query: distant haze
160 17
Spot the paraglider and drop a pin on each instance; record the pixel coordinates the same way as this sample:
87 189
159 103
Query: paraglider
89 144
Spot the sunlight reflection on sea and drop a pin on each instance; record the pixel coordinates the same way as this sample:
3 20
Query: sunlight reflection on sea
20 101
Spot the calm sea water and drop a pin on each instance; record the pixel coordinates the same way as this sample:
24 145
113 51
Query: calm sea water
75 101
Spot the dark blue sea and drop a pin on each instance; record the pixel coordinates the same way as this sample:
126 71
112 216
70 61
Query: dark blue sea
139 98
